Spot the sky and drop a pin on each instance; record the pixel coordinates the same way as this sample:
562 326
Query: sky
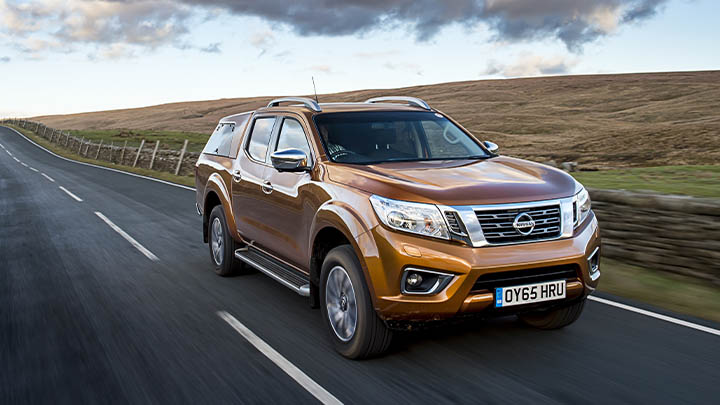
66 56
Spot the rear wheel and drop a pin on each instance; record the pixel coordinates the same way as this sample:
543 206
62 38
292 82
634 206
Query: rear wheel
222 245
355 328
556 318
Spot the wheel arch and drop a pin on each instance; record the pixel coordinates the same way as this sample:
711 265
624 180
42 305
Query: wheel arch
216 193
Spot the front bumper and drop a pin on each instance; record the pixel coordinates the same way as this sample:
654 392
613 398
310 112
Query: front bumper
386 254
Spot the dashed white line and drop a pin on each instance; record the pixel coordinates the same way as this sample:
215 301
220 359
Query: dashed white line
34 169
47 177
24 164
78 199
16 159
290 369
127 237
656 315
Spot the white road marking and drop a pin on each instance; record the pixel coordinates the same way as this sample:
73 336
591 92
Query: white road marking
23 163
290 369
127 237
601 300
169 183
656 315
47 177
78 199
16 159
33 169
8 152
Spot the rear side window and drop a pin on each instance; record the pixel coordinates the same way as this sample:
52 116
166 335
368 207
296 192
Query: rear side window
220 140
260 138
292 136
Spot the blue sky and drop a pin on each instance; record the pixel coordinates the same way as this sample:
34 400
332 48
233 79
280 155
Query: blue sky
55 59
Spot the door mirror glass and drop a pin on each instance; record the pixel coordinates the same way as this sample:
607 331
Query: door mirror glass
492 147
289 160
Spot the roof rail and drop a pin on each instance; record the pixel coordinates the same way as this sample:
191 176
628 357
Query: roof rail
410 100
309 103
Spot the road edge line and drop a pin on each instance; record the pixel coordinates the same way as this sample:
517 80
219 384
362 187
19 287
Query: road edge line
655 315
320 393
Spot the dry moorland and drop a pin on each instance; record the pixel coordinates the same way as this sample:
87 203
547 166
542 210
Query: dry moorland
600 121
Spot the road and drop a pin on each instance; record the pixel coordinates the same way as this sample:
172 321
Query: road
88 317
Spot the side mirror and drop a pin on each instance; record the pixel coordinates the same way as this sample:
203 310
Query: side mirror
289 160
492 147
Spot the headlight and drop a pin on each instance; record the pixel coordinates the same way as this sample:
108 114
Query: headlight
581 206
422 219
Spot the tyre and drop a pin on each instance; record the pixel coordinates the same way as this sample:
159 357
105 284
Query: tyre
556 318
355 328
222 245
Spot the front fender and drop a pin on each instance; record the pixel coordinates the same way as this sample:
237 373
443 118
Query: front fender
348 220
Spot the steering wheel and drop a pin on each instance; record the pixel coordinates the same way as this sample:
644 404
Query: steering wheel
343 152
451 139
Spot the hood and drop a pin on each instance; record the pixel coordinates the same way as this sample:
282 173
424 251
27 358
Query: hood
458 182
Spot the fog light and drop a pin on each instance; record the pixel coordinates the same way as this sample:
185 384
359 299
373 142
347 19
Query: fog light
594 264
420 281
414 279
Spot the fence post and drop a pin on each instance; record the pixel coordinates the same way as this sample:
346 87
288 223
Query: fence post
97 154
81 145
37 126
182 155
112 150
67 139
142 143
122 154
152 160
44 131
52 136
87 147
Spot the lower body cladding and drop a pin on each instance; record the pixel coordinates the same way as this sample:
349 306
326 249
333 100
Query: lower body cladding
421 279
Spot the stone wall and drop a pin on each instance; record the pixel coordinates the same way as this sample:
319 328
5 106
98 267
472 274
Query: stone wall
672 233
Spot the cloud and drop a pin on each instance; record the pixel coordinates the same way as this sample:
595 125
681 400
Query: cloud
404 66
574 22
531 65
322 69
211 48
5 59
153 23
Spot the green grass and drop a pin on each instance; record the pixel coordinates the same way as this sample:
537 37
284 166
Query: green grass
698 181
185 180
168 139
681 294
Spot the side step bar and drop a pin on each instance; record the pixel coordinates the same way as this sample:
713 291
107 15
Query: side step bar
276 270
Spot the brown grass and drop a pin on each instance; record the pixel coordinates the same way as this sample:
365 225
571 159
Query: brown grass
600 121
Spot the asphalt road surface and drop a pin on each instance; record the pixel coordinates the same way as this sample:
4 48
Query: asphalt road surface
88 316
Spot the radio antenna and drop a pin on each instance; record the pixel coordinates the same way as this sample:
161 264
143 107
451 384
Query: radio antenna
315 89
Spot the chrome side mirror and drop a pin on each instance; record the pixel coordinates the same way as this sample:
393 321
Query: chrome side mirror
492 147
289 160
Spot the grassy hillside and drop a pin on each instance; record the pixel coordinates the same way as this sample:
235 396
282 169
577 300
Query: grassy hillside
600 121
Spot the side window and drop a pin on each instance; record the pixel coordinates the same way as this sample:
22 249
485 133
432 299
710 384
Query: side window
220 140
228 131
293 136
260 138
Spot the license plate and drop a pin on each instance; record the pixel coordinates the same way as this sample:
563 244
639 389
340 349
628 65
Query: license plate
529 293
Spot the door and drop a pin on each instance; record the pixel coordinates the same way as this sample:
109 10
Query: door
291 201
248 176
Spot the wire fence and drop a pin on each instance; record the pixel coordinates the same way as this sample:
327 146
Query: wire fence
147 156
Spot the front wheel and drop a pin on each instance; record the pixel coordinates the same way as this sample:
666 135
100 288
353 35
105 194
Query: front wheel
355 328
556 318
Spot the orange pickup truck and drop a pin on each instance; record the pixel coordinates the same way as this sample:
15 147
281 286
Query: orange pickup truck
387 212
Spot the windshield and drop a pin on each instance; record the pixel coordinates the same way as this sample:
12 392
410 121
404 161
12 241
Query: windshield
394 136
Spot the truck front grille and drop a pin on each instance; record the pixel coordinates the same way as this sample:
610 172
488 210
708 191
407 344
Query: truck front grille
489 281
497 225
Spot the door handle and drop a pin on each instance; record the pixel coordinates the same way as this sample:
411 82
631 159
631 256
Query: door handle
267 188
237 177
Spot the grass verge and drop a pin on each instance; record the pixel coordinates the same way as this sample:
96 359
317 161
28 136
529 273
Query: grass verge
698 181
681 294
184 180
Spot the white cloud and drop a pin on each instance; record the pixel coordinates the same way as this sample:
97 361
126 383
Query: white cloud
531 65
